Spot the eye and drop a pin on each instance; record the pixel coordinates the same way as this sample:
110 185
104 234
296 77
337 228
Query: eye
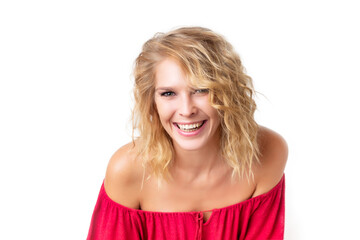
201 91
167 94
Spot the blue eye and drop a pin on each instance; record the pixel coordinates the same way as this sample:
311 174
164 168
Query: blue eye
167 94
203 91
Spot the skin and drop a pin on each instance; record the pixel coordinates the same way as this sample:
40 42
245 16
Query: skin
177 102
200 179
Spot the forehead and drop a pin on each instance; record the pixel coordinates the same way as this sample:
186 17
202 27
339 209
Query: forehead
169 72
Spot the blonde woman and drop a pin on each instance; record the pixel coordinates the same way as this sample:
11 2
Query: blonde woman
200 167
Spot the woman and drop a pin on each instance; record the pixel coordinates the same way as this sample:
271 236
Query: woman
201 167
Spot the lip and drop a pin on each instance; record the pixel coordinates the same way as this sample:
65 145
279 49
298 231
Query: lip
186 123
189 134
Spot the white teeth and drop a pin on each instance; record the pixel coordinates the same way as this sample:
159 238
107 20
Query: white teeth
190 127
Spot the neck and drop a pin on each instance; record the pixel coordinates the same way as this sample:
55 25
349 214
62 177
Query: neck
197 164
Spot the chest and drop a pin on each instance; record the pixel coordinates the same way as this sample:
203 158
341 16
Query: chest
171 197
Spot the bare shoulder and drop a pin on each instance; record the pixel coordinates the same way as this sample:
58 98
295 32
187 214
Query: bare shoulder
273 157
123 177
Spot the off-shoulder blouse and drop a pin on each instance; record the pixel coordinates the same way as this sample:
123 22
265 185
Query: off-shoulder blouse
260 217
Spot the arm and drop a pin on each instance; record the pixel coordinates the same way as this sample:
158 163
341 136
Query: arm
110 219
123 177
268 219
273 158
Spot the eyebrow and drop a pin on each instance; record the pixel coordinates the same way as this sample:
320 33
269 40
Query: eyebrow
163 88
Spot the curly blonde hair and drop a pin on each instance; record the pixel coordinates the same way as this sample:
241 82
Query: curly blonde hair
210 62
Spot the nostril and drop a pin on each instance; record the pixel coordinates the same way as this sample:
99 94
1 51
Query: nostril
188 110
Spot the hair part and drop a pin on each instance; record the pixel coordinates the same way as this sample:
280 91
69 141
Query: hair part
210 62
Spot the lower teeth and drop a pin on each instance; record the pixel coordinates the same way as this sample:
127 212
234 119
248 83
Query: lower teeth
189 130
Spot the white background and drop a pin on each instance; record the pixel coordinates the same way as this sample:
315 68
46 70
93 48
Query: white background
65 100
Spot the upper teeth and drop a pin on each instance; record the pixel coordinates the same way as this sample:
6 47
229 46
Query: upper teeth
189 126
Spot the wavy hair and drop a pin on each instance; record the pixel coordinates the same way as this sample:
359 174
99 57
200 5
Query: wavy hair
210 62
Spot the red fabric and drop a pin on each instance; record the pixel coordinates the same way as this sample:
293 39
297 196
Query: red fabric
261 217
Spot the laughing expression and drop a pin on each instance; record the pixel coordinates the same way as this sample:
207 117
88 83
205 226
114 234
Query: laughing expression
185 112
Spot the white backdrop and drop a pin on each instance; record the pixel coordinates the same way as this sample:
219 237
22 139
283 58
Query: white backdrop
65 100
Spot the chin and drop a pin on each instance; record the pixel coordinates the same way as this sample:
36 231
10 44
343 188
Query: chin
189 145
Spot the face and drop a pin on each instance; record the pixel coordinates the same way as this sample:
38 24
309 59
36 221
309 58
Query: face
184 112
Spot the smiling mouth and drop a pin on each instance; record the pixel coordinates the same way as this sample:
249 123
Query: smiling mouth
190 127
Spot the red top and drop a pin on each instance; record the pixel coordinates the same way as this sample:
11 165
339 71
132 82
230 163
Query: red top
260 217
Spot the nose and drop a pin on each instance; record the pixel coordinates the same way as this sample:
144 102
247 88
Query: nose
187 106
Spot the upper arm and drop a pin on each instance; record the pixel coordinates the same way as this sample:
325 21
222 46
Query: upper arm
273 158
123 177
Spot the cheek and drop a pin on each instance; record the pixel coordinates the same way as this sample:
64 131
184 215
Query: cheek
164 111
213 114
209 110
